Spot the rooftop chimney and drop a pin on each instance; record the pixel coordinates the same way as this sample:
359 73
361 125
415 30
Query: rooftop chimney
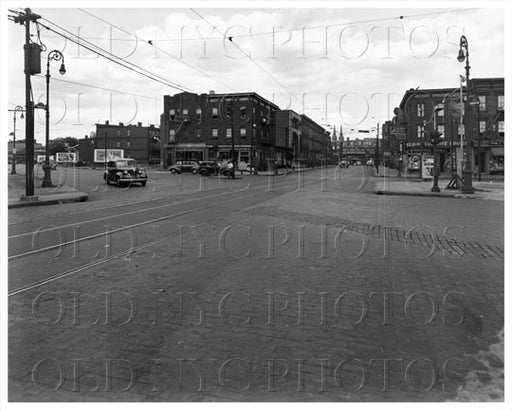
106 122
121 124
139 124
211 92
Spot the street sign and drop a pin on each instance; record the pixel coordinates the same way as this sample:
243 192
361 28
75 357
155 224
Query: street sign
399 133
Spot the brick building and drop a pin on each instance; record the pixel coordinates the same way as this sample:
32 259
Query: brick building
200 127
141 143
486 130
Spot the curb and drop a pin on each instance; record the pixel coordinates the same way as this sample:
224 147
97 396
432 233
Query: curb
431 194
50 200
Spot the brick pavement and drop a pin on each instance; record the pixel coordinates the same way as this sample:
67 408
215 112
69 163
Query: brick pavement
312 309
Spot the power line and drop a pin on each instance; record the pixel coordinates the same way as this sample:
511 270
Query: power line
115 59
250 58
97 87
149 42
264 33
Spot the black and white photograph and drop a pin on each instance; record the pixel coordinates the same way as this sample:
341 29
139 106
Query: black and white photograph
278 203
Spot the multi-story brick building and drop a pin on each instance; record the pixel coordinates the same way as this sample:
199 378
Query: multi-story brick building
486 123
138 142
200 127
219 126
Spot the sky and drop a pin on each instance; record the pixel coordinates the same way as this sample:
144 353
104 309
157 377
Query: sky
342 66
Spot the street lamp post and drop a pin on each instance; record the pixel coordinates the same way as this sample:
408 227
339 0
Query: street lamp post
467 187
252 166
15 110
57 56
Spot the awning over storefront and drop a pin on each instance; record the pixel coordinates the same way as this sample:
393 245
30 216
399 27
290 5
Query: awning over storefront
498 151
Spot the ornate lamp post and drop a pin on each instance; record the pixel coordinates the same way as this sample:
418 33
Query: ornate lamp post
467 187
57 56
15 110
252 162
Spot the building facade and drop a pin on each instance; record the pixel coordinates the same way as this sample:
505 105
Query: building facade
139 142
240 126
244 127
424 111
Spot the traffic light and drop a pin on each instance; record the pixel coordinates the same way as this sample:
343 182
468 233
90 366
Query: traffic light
435 137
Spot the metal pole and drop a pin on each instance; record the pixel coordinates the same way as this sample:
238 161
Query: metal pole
47 181
13 168
467 188
105 151
252 154
29 110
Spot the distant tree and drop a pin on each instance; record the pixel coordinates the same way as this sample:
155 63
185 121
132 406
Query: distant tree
62 144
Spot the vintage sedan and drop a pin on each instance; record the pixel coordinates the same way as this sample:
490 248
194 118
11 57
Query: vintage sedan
184 166
125 171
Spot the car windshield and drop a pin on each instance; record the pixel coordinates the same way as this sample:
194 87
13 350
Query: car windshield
126 163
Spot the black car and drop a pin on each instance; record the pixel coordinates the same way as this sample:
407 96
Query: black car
183 166
125 171
207 168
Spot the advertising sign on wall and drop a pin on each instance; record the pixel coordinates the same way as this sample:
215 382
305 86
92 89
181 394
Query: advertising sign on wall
99 154
427 168
66 157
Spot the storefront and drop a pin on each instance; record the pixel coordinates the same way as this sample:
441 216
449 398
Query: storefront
496 160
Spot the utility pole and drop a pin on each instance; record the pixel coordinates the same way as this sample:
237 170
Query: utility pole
32 66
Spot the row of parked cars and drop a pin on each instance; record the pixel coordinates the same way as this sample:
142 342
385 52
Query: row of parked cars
207 168
346 163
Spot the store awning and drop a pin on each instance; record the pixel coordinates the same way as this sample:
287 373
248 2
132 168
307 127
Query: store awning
498 151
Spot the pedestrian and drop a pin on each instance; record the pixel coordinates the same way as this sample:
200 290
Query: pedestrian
231 169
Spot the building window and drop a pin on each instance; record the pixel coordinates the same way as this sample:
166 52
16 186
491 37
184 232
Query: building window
118 133
421 132
198 133
501 102
215 112
501 126
185 111
172 135
118 144
128 132
172 113
421 110
482 126
243 112
482 102
228 133
127 144
198 113
440 128
461 129
215 133
243 133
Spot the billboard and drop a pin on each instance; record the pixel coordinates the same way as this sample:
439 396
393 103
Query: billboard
99 154
42 158
66 157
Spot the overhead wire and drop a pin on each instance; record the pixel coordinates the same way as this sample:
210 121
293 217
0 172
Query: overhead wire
149 42
112 57
251 59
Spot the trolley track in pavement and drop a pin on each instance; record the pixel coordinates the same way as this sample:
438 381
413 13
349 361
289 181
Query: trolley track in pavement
43 272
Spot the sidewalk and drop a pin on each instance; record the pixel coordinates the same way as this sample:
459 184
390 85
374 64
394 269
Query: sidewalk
42 196
394 185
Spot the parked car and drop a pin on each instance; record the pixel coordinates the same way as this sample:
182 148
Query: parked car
344 164
184 166
125 171
369 163
245 167
207 168
227 169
